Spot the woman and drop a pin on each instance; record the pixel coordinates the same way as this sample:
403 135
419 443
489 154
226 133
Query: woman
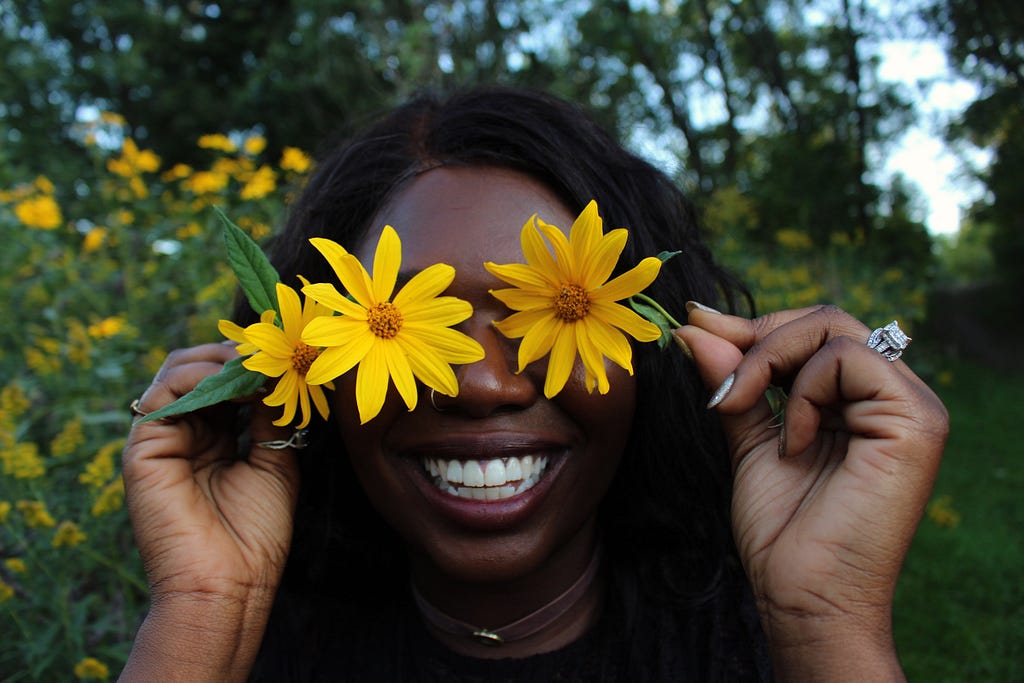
675 530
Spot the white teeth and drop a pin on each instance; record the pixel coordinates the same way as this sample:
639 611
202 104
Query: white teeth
494 479
472 474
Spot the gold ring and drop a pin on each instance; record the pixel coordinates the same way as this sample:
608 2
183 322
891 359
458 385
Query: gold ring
133 408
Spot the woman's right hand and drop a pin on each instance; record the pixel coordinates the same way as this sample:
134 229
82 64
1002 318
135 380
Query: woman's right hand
213 529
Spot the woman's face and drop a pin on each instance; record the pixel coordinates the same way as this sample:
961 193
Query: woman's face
463 217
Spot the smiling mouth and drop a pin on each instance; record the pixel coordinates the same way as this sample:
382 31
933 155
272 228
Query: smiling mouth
495 479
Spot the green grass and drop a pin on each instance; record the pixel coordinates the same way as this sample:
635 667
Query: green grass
960 601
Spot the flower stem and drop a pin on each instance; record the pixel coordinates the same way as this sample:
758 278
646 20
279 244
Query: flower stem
651 302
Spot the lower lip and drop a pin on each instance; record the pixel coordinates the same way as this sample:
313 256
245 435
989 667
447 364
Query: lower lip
486 515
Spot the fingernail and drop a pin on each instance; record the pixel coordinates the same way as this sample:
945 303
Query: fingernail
722 391
782 442
681 343
691 305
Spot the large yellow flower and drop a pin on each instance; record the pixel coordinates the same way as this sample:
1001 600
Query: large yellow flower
280 352
565 303
401 339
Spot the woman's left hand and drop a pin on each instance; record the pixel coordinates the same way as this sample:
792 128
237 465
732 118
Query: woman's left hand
828 497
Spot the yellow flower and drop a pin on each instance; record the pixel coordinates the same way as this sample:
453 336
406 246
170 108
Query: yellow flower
16 565
260 184
565 305
219 142
22 461
401 340
100 469
94 239
108 327
282 353
133 161
91 667
254 145
6 592
68 535
68 439
294 159
5 510
44 185
40 212
206 182
236 333
176 172
111 498
35 513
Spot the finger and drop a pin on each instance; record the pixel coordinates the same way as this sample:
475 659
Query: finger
778 354
876 401
743 332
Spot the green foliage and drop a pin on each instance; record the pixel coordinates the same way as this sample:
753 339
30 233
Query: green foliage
100 285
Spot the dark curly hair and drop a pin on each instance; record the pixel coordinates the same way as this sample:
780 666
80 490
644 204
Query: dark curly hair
665 521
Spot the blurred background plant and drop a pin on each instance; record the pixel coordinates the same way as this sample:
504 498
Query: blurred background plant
122 123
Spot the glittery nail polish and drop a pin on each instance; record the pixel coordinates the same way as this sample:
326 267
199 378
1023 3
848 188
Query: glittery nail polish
722 391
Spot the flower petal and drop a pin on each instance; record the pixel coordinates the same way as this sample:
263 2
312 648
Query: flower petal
304 410
349 270
270 339
629 283
524 299
566 268
266 364
601 262
284 394
429 367
520 275
387 259
401 373
539 339
327 295
626 320
333 331
337 360
372 381
518 324
537 253
593 361
424 286
316 392
443 311
451 345
291 312
563 357
611 343
585 234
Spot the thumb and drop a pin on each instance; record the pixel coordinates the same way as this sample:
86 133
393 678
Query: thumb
716 359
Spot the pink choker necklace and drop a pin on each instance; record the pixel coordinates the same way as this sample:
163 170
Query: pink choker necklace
521 628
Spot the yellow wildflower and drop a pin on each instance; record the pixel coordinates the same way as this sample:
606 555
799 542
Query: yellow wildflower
14 400
90 667
219 142
68 535
133 161
22 461
16 565
282 353
6 592
176 172
565 303
68 439
260 184
108 327
191 229
795 240
124 217
112 118
5 510
941 512
401 339
138 187
236 333
294 159
100 469
40 212
35 513
206 182
94 239
111 498
254 145
44 185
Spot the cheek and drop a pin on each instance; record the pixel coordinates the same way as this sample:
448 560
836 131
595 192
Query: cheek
606 418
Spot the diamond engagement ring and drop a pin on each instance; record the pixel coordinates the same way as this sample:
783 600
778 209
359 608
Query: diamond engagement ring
890 341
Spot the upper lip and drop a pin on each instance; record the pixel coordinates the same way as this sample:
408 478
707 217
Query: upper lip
501 444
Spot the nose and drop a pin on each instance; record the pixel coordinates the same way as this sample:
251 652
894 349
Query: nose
490 386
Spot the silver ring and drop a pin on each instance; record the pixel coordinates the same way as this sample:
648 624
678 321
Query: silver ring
890 341
433 401
298 440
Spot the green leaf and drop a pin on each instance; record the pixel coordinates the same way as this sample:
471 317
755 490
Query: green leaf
233 381
254 272
666 255
652 314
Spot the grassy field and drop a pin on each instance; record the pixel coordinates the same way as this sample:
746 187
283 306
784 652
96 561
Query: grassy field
960 602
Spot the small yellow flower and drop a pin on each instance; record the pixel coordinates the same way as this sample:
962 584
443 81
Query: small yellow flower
68 535
206 182
44 185
40 212
942 513
94 239
22 461
236 333
68 439
294 159
35 513
100 469
91 667
111 498
282 353
254 145
16 565
401 339
260 184
565 303
219 142
176 172
108 327
5 511
6 592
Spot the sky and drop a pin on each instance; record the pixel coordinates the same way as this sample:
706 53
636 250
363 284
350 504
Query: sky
922 155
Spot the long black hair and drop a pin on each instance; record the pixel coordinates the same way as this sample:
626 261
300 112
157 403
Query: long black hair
665 520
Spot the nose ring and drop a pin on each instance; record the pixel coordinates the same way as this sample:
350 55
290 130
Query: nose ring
433 401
